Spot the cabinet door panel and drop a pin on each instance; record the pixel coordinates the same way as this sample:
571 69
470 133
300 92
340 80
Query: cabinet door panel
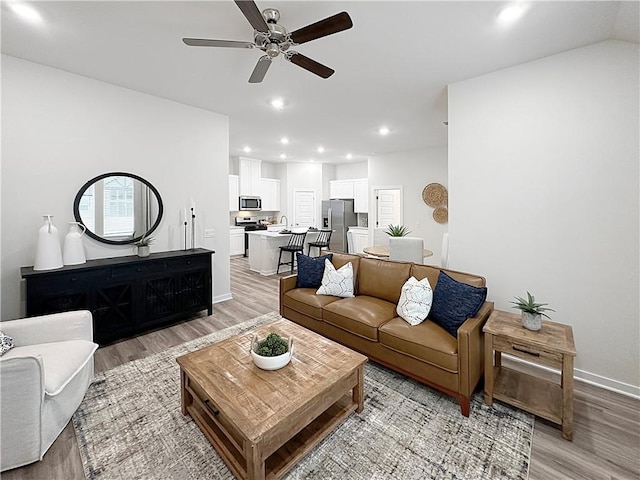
193 291
159 295
113 312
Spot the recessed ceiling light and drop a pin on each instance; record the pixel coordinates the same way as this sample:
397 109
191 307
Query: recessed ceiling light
349 156
246 149
26 12
510 13
383 130
277 103
283 156
284 140
320 149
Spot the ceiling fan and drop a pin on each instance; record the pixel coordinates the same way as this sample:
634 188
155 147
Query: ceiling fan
274 39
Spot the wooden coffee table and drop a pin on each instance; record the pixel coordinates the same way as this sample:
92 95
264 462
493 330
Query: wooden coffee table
263 422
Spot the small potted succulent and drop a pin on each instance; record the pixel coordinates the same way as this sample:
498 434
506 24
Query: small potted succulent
397 231
272 353
532 311
144 248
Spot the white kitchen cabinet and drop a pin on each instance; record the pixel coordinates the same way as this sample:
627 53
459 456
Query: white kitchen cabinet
341 189
361 196
250 176
234 193
270 193
236 241
360 236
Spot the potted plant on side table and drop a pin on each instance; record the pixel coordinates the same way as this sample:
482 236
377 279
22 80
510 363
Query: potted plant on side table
532 311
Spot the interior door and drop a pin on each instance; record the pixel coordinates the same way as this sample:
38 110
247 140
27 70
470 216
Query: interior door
304 208
388 208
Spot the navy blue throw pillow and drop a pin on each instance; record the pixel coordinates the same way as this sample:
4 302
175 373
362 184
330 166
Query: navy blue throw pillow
310 270
454 302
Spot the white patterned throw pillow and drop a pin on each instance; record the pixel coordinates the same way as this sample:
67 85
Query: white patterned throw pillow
6 343
337 282
415 300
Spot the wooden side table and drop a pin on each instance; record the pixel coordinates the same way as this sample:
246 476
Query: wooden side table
551 346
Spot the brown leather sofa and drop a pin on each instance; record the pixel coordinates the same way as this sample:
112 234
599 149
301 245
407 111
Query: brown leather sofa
369 324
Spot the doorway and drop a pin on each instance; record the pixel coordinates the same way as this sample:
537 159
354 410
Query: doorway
304 208
388 211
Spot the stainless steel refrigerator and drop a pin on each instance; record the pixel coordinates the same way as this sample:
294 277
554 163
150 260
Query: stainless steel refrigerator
338 215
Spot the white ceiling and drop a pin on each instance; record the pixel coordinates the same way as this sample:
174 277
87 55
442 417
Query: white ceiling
392 67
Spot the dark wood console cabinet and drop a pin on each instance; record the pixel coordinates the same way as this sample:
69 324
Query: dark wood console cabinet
126 295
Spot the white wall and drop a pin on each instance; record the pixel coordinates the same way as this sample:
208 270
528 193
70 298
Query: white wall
59 130
349 171
543 180
413 170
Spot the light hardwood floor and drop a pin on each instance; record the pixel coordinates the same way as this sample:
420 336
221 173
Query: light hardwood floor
606 425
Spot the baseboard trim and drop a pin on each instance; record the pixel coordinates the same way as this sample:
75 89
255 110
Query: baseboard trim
592 379
222 298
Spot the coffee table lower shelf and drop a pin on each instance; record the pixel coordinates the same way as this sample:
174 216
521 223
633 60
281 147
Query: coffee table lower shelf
283 459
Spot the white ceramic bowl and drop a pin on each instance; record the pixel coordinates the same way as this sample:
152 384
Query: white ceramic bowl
271 363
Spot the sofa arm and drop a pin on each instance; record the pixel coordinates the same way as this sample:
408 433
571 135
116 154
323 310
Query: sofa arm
471 349
286 283
21 397
57 327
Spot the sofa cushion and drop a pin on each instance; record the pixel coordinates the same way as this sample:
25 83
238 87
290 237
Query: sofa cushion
454 302
432 273
361 315
415 300
310 270
305 301
382 279
337 282
427 341
61 360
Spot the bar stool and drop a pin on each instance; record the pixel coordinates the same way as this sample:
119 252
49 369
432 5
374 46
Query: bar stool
296 244
324 237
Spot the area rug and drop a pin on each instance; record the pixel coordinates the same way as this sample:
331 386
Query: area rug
129 426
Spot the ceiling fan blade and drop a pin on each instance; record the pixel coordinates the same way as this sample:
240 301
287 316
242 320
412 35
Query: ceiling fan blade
204 42
260 69
250 11
334 24
311 65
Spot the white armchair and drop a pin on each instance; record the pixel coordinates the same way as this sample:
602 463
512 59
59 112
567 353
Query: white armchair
43 380
407 249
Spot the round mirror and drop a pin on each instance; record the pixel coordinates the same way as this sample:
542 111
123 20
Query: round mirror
118 208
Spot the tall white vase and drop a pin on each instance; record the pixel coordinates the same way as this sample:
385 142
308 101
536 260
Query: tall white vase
48 252
73 250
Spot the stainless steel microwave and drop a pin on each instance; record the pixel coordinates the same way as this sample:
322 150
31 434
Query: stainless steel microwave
250 203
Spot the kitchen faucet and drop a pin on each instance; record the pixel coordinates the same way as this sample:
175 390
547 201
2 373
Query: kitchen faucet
285 217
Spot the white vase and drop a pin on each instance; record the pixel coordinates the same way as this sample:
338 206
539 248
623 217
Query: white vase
73 250
48 252
532 321
144 250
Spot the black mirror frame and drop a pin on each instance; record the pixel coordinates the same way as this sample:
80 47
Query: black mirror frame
76 207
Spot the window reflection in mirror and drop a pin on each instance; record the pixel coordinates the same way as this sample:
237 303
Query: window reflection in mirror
118 208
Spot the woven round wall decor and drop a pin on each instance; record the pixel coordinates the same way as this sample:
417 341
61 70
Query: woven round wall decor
435 195
441 215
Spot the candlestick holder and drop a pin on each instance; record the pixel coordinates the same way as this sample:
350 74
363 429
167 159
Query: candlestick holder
193 229
185 234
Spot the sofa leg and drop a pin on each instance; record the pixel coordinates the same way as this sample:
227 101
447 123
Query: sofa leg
465 405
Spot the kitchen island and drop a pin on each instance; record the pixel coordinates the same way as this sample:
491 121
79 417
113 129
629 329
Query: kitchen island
264 249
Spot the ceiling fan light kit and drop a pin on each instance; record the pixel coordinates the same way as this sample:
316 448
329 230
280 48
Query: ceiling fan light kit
274 39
